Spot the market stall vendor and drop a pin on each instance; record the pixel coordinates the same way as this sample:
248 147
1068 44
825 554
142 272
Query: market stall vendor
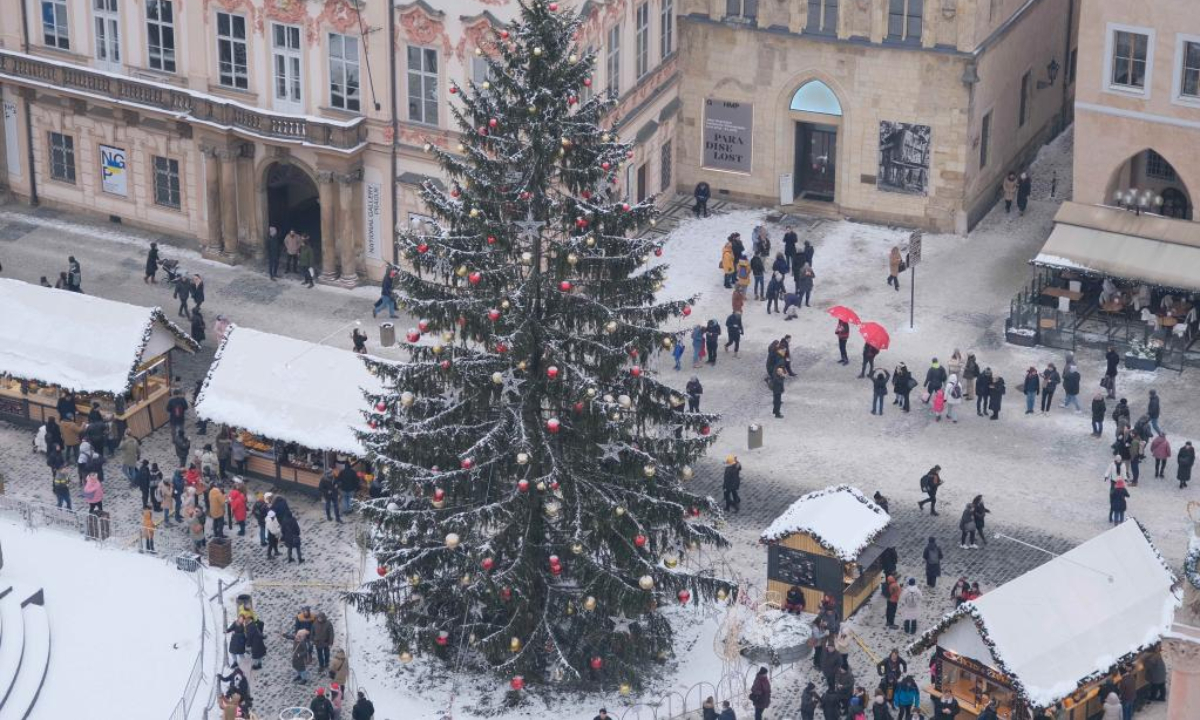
64 353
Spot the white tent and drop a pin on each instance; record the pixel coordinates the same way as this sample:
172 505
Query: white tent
79 342
289 390
1069 621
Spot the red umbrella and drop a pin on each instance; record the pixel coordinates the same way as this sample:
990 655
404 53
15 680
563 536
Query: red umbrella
875 335
845 314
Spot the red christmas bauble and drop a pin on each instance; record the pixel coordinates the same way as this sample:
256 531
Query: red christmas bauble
625 207
505 594
493 314
571 99
501 348
687 310
525 195
658 252
705 430
633 352
373 424
382 570
596 663
556 570
482 131
554 560
504 34
640 541
380 406
453 90
423 325
684 596
454 193
491 240
517 683
523 485
475 277
553 425
635 371
493 122
488 564
553 7
423 248
578 407
552 372
695 512
565 286
587 82
443 638
580 223
462 320
586 195
629 154
467 463
439 494
605 165
554 485
445 364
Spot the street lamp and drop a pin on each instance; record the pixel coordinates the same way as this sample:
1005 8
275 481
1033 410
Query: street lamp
1136 202
1051 73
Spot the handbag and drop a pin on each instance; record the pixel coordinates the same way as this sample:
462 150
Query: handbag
903 266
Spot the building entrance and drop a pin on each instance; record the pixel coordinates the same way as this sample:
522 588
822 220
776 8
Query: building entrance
816 161
293 204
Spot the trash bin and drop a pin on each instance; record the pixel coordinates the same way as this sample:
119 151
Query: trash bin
754 436
98 526
387 334
220 552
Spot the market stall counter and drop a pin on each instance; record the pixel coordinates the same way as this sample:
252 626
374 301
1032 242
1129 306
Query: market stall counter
58 346
1064 633
296 406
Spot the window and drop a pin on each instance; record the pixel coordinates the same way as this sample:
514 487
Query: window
343 72
666 28
642 38
985 137
285 53
664 167
1189 81
1023 114
1158 167
62 157
231 51
54 24
822 17
422 85
1129 55
108 32
166 182
904 20
160 34
745 9
1072 65
612 63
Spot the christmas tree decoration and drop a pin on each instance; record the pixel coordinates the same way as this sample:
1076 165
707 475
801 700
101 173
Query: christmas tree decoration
443 638
545 311
597 663
380 406
639 540
413 335
406 657
514 644
517 683
624 688
684 596
381 570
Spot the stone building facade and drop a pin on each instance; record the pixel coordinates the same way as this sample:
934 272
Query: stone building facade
1138 104
900 111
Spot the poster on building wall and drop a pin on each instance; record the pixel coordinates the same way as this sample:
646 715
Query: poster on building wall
12 147
903 158
728 135
372 209
113 176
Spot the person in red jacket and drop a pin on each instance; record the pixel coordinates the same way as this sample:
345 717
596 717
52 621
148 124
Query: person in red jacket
760 693
237 506
843 334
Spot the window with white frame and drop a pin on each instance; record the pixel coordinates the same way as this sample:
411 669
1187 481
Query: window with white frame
744 9
1129 59
232 68
166 182
666 28
344 92
642 39
54 24
62 157
822 17
904 20
1188 84
107 22
612 61
160 35
422 85
287 63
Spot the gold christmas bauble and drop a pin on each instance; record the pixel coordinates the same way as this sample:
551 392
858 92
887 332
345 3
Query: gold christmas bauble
590 241
620 511
624 688
462 148
605 137
572 258
515 644
447 336
522 458
624 401
721 594
474 212
589 603
537 52
668 343
461 271
653 222
686 472
414 579
610 326
498 378
504 304
649 471
541 487
465 580
577 548
670 561
572 58
615 416
522 365
532 109
608 397
527 258
406 657
591 392
452 540
437 349
407 398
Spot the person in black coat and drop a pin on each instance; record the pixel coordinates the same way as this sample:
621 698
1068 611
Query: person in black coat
1153 410
197 325
1112 361
53 433
1050 382
888 560
935 378
758 270
349 483
329 493
291 535
731 483
789 247
733 326
256 643
712 333
702 193
237 640
364 709
197 291
879 391
776 384
868 360
983 392
932 555
980 511
694 391
142 479
809 700
151 264
1099 410
996 398
1185 459
1118 502
183 293
1024 190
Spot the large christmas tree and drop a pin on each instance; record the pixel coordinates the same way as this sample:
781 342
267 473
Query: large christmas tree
534 517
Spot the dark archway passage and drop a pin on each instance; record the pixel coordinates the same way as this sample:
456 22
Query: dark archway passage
293 204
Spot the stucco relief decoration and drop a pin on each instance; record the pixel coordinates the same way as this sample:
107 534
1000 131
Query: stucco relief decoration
417 27
494 2
337 15
291 12
479 34
246 7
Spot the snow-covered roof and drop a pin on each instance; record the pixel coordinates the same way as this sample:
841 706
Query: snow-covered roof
79 342
840 518
1069 621
289 390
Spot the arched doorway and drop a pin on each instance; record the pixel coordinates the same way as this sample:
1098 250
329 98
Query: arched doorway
293 204
1147 171
818 117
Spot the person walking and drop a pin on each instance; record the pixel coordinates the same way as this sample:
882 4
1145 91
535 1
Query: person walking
328 490
983 392
891 594
810 699
1184 461
364 709
1160 448
1070 383
197 328
966 528
996 397
790 240
731 483
1009 188
760 693
1032 387
879 391
1024 190
183 293
322 639
1050 382
386 300
60 485
130 451
804 283
728 262
237 640
1118 497
697 345
164 496
712 333
842 331
274 532
694 390
236 502
255 642
774 290
151 264
349 483
869 353
734 330
935 378
910 606
907 698
1153 410
701 193
1112 361
930 482
306 263
954 396
291 537
777 385
197 292
980 512
74 275
142 480
1099 410
932 555
895 267
758 270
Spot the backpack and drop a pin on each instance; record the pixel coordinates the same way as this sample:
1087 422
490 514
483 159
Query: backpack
924 483
956 393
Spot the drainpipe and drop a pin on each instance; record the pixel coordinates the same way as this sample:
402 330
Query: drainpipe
1067 64
33 195
395 125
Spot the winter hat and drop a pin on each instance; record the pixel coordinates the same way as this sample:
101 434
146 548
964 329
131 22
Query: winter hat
320 691
334 686
912 581
268 496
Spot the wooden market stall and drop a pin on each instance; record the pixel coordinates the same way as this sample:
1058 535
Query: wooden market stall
54 341
828 542
1058 633
296 406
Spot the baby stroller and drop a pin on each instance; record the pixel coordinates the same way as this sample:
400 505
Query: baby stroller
172 269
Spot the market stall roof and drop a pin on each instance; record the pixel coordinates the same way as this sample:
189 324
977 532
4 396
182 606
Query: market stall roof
79 342
839 517
1106 241
289 390
1069 621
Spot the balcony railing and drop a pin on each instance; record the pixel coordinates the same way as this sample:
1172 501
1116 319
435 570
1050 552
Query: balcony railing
198 106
